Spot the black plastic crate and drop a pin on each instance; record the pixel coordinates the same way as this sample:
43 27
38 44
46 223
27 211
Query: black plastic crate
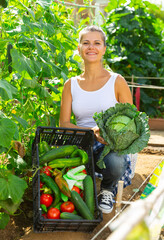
57 137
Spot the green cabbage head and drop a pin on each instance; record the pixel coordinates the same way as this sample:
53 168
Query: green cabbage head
125 130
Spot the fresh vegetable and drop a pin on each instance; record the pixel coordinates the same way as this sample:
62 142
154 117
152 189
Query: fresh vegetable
75 177
76 173
89 193
82 194
53 213
52 185
76 170
125 130
47 170
81 206
41 185
43 207
65 162
64 197
67 207
82 154
75 188
46 190
9 47
44 215
58 205
84 171
62 184
46 199
43 147
72 216
70 182
59 152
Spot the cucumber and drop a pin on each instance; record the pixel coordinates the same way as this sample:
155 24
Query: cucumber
89 193
9 58
52 185
81 206
72 216
65 162
59 152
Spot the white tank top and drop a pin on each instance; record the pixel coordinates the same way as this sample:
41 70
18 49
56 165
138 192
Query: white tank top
86 103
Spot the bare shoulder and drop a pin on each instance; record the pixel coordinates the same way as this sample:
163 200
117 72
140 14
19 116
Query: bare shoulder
120 80
122 90
67 85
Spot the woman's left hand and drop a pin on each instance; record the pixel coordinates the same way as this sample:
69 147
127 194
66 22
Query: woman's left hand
96 131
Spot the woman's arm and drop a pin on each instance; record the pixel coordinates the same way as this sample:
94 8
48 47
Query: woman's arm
122 91
66 106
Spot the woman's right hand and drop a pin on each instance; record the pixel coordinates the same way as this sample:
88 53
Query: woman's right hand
96 131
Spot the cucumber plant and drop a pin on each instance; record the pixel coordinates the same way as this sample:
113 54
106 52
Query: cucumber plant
37 46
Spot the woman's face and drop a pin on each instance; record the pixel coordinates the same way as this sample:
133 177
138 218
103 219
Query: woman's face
91 47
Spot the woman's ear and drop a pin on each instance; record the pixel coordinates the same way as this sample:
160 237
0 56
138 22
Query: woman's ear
78 49
104 50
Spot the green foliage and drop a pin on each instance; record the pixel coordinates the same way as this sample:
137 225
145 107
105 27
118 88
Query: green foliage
11 193
38 40
125 130
37 46
4 219
135 47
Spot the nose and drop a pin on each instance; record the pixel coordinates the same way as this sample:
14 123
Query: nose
91 45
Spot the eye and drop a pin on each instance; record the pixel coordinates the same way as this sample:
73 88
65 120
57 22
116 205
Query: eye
97 43
85 43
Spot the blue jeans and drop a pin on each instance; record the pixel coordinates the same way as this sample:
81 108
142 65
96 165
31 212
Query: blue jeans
115 168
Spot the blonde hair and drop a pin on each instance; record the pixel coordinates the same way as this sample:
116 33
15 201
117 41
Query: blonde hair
92 29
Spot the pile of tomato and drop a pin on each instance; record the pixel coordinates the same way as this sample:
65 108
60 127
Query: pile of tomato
46 199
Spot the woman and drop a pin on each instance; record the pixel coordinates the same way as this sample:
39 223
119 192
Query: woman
95 90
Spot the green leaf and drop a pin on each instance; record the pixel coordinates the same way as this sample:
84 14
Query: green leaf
2 115
7 90
38 46
29 83
29 10
9 206
51 46
7 130
48 28
4 219
55 90
44 3
61 58
43 94
11 186
22 121
22 64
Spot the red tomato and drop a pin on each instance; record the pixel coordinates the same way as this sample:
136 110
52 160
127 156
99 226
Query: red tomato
47 170
76 189
41 185
44 215
84 171
46 199
53 213
67 207
82 194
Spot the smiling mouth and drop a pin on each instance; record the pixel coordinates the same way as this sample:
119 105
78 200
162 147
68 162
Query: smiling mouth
91 53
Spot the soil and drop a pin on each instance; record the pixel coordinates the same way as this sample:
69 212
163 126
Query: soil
20 226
